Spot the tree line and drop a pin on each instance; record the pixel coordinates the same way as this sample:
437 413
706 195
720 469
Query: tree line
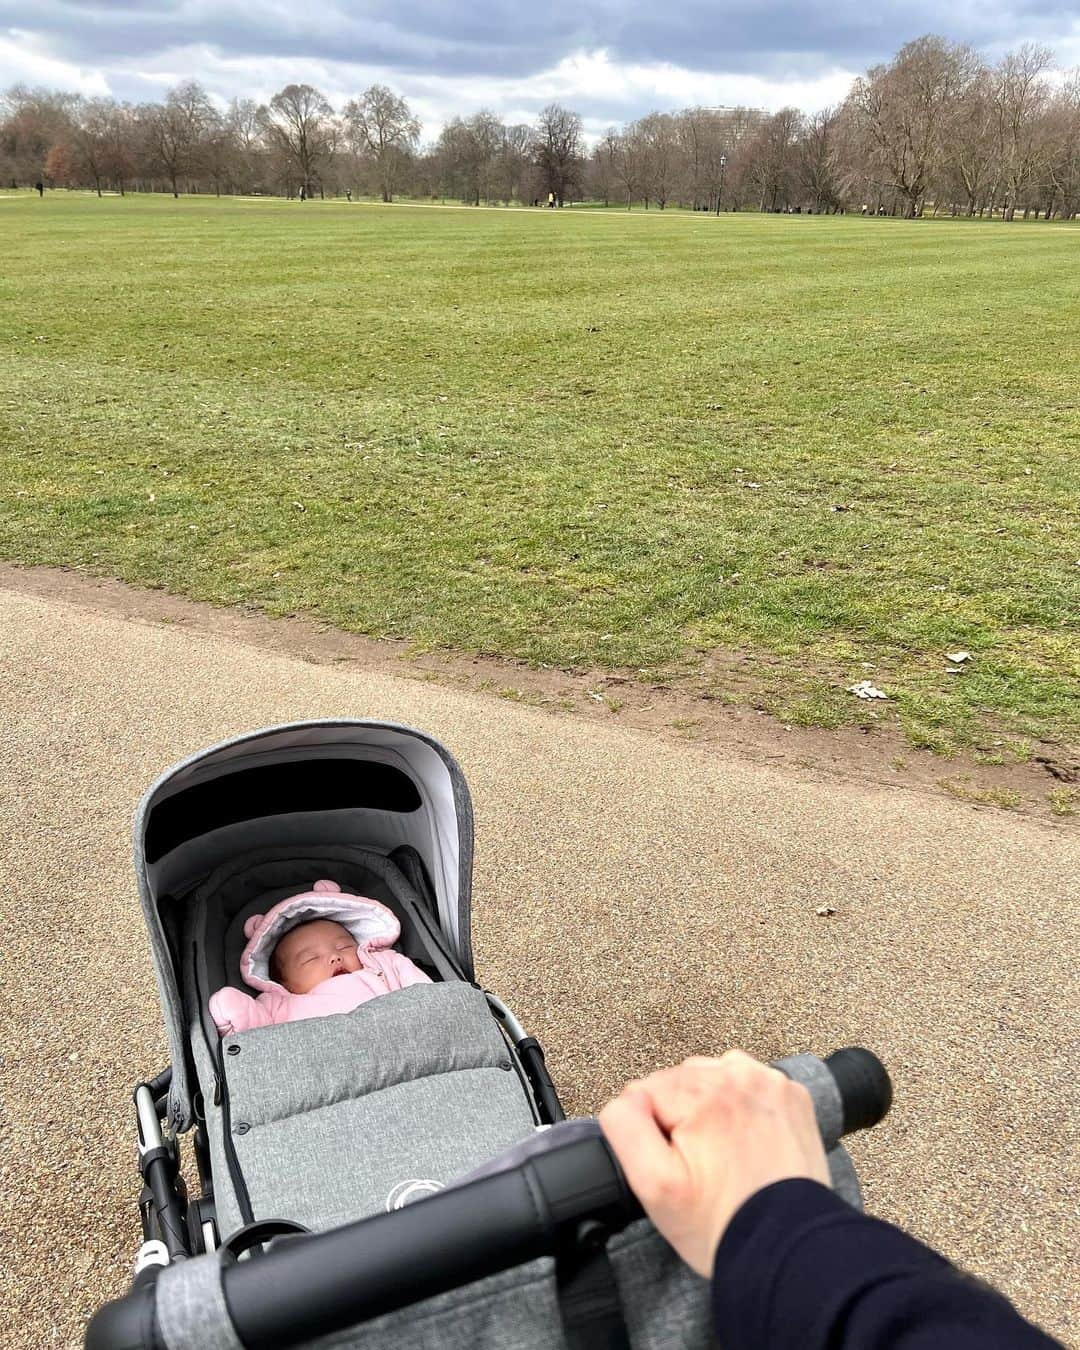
937 126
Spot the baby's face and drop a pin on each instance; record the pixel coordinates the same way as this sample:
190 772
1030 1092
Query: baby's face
314 952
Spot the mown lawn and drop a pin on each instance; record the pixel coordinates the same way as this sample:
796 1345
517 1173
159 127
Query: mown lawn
576 438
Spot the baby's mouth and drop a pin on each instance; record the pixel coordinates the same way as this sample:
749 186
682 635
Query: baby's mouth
339 971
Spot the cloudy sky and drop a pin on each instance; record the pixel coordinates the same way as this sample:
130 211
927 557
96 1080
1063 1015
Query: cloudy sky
611 60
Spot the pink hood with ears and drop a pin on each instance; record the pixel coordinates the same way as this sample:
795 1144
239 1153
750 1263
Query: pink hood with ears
371 924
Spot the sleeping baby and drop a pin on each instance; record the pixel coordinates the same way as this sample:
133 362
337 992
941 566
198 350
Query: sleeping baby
314 954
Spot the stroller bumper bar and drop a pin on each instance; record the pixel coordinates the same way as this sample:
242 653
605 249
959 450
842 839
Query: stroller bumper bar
309 1286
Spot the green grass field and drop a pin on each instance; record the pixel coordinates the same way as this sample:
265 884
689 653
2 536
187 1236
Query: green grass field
575 438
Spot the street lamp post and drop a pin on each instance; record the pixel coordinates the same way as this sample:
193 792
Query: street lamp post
719 195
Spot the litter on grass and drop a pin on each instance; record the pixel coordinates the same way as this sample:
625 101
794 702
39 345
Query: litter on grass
864 689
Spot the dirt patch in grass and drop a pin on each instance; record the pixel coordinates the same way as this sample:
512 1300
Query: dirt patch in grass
733 708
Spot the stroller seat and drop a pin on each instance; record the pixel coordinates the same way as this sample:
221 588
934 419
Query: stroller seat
332 1119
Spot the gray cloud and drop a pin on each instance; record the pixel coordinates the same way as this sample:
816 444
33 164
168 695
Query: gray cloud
610 60
494 37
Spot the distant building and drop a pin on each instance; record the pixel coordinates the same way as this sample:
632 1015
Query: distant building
738 122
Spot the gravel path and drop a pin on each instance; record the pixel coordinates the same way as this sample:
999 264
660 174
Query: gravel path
636 900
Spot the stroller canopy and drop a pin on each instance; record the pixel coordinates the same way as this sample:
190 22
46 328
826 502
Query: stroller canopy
371 783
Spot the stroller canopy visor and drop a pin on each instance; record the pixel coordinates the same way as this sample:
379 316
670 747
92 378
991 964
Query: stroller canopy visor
370 783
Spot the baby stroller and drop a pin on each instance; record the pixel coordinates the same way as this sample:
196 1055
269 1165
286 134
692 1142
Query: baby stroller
401 1174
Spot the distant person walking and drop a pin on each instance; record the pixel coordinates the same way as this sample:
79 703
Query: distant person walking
39 188
551 201
303 193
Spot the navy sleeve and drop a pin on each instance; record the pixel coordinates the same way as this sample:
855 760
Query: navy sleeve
799 1269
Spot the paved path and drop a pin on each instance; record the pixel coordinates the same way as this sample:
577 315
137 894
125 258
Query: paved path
636 900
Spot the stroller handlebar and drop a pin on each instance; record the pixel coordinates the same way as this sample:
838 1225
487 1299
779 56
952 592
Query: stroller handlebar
308 1286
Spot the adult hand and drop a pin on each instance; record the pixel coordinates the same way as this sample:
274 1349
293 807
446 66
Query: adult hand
698 1140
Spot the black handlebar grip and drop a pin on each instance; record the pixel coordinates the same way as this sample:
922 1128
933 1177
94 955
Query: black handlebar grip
864 1085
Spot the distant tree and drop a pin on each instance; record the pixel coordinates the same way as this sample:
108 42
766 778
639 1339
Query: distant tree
971 149
381 124
819 162
905 110
299 124
32 121
627 163
1021 96
93 139
244 129
176 128
515 168
60 165
452 158
1063 156
770 154
660 156
727 136
120 133
220 157
600 177
693 130
487 135
558 148
471 156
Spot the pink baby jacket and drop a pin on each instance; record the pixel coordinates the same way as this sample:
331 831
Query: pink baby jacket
381 969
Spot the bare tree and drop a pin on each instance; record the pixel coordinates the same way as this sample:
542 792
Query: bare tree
600 178
771 156
90 139
558 148
32 121
1020 98
515 165
299 124
627 167
820 164
380 124
175 130
905 109
469 155
453 158
486 134
219 152
244 129
695 132
971 150
660 153
1063 158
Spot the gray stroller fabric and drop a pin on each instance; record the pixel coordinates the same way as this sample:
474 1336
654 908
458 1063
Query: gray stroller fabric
332 1118
664 1303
